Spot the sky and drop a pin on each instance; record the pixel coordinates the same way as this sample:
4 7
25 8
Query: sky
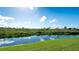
39 17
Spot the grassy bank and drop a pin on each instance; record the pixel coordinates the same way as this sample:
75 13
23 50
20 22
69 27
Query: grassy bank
69 44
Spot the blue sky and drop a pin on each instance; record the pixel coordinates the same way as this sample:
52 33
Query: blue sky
39 17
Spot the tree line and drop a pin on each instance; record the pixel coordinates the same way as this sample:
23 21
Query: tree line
20 32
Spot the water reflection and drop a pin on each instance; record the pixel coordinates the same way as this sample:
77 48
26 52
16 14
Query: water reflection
30 39
3 41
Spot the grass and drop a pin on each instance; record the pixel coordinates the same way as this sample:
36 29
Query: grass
65 44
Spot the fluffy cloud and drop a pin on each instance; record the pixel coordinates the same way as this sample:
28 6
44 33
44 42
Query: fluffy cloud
56 26
4 24
4 19
43 18
27 8
52 21
31 8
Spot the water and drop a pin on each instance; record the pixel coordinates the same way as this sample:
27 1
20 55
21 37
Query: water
27 40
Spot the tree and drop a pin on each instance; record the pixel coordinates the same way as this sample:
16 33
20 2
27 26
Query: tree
70 28
65 27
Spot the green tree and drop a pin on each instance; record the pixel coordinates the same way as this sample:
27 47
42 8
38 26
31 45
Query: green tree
65 27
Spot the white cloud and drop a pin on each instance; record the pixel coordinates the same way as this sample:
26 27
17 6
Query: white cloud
27 22
14 25
3 24
31 8
4 19
56 26
52 21
27 8
43 18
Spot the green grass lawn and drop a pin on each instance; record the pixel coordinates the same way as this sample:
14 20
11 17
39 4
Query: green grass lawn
69 44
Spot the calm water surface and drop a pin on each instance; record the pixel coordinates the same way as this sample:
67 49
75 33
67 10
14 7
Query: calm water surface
31 39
